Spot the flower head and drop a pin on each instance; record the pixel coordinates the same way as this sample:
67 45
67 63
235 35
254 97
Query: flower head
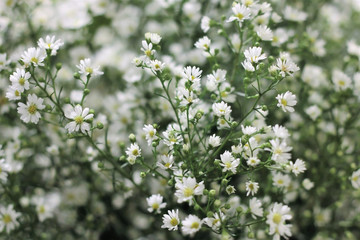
8 218
30 111
191 225
50 44
35 56
85 68
171 220
286 101
79 117
155 203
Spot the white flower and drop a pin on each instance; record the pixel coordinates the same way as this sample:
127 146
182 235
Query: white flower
286 66
215 221
150 133
20 79
221 109
203 43
253 54
281 180
30 111
205 24
33 55
166 162
153 37
50 44
313 111
255 207
241 13
13 93
85 68
217 76
340 80
297 167
248 130
8 218
214 141
172 137
280 131
228 162
147 49
248 66
279 213
155 203
280 151
251 188
45 206
253 161
307 184
191 225
187 189
192 73
171 220
293 14
264 33
79 116
156 65
286 101
133 151
355 179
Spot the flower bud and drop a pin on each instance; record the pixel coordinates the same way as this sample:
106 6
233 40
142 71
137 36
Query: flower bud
143 174
239 209
58 66
77 75
122 158
100 165
209 214
86 91
217 203
132 138
99 125
212 193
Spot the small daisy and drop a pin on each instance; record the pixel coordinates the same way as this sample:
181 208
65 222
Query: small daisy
205 24
171 220
35 56
264 33
280 151
85 68
156 65
221 109
297 167
228 162
340 80
203 43
248 66
166 162
281 180
153 37
253 54
20 79
155 203
30 111
355 179
286 66
4 167
50 44
286 101
187 189
192 74
241 13
147 49
133 151
214 141
215 221
248 130
280 131
279 213
8 218
3 61
191 225
253 161
79 116
150 133
13 93
251 188
255 207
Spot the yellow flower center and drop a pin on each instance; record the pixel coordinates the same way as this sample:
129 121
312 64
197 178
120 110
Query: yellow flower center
148 53
135 152
240 16
79 119
284 102
155 206
342 83
9 3
248 2
17 93
278 151
157 66
188 192
280 182
41 209
224 94
215 221
1 63
275 39
354 178
194 225
34 60
49 45
174 222
7 218
151 133
22 81
89 70
277 218
32 109
228 165
167 165
251 186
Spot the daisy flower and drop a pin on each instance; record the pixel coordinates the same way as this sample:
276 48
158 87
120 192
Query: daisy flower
156 65
228 162
203 43
187 189
286 101
155 203
8 218
4 167
35 56
355 179
85 68
30 111
215 221
50 44
221 109
279 213
264 33
147 49
171 220
255 208
191 225
214 141
13 93
153 37
253 54
297 167
133 151
150 133
286 66
240 13
20 79
253 161
280 151
166 162
192 74
205 24
251 188
79 116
